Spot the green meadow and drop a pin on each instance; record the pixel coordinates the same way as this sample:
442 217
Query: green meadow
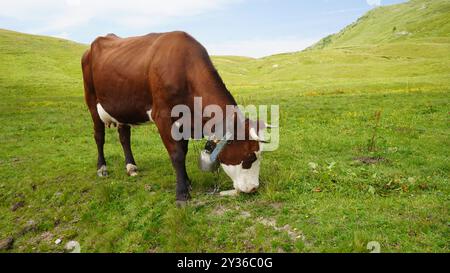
363 157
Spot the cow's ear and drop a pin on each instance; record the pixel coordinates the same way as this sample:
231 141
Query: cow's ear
262 125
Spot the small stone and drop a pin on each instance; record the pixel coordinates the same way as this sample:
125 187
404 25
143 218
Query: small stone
7 243
72 247
58 241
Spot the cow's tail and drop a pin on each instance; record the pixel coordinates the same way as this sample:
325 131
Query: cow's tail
89 90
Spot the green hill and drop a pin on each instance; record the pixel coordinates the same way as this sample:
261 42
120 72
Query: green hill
30 61
404 46
391 47
416 21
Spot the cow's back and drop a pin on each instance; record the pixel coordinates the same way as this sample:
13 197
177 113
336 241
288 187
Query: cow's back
119 70
131 76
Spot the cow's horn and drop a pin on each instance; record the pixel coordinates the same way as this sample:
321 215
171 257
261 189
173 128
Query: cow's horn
255 136
270 126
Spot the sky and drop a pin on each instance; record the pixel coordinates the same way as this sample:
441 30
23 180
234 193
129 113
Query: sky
253 28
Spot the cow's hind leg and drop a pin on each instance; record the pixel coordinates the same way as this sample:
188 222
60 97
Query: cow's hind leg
125 140
91 101
99 135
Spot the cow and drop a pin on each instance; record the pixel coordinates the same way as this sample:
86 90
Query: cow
136 80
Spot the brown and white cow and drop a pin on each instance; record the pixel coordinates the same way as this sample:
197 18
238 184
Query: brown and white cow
131 81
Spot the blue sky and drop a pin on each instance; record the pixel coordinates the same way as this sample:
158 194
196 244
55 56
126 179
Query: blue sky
226 27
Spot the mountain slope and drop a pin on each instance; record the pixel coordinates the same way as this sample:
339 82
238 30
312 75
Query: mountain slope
411 21
399 47
404 46
31 60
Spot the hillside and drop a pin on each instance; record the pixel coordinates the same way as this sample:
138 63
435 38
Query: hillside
30 60
413 21
398 47
391 47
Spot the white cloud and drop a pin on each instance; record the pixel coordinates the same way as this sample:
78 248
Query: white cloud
259 47
53 16
73 3
63 35
374 3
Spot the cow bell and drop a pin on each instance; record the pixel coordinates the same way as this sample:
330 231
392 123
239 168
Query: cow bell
206 164
208 161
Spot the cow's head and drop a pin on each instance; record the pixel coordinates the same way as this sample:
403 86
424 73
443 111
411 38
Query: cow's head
241 159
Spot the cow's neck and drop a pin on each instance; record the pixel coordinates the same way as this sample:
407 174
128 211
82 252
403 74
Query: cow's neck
227 104
209 86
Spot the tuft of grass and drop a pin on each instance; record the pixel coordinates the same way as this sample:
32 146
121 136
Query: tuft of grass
371 146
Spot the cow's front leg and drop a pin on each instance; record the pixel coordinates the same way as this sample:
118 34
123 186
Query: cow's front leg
125 140
177 152
178 158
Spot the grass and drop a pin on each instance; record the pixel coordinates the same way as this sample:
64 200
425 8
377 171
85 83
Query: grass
317 195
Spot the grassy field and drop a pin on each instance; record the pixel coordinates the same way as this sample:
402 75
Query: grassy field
364 150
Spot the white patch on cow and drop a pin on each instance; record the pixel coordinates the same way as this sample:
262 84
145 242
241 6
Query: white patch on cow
244 180
102 172
107 119
132 170
149 113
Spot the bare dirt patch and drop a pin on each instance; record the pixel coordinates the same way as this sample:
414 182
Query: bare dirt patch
370 160
7 243
220 210
293 233
17 205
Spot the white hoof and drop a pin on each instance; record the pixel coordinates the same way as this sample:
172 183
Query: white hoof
132 170
102 172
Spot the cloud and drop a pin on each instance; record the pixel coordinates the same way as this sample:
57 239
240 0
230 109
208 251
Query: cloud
374 3
259 47
63 35
55 16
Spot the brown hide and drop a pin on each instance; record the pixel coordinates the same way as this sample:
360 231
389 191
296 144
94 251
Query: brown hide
131 76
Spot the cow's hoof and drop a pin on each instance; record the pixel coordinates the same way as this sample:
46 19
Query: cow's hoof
102 172
181 204
132 170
